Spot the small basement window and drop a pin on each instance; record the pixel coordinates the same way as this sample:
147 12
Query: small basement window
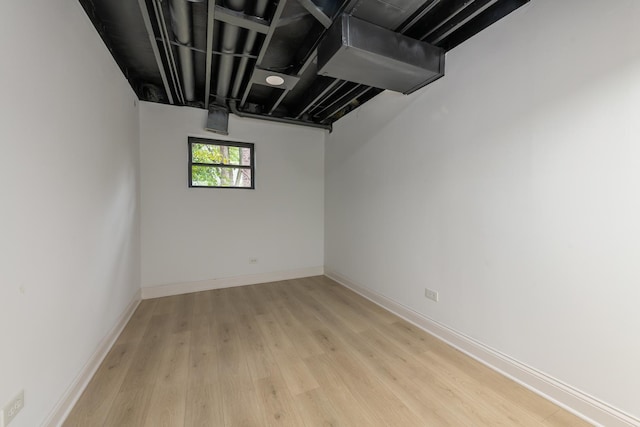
221 164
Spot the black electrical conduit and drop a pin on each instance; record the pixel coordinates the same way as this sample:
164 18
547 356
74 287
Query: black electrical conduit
181 24
230 36
260 10
234 110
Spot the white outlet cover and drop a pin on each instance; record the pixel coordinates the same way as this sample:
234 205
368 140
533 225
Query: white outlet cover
431 294
12 409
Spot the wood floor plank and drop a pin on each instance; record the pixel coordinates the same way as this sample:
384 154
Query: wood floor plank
255 298
167 406
312 306
408 336
129 408
203 406
203 302
274 335
294 371
303 352
260 360
318 411
357 302
298 334
238 391
333 387
366 388
173 368
499 383
562 418
183 313
303 314
277 402
400 380
447 391
355 320
496 409
238 299
137 325
143 369
96 401
203 357
165 305
223 309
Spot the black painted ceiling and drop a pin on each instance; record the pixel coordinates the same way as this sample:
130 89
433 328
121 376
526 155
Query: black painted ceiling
150 43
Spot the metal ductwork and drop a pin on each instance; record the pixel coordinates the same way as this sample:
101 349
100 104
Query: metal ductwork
360 52
260 11
329 56
181 23
230 36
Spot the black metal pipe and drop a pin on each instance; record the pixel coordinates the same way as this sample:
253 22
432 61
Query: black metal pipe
260 10
229 40
344 104
265 44
234 110
154 46
181 23
346 7
164 34
426 9
339 99
325 93
211 27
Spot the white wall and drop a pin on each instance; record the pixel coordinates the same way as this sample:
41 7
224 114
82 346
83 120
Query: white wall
197 234
69 235
512 187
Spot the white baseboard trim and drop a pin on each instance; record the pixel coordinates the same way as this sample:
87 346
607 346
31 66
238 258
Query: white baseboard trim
75 390
581 404
228 282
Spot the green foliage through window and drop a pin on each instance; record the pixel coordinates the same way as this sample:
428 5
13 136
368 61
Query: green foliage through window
220 164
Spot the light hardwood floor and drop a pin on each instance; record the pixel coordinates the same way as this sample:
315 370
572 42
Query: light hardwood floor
304 352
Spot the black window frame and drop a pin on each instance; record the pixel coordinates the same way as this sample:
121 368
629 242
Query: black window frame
252 159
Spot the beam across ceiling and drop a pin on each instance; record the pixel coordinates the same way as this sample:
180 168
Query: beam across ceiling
154 46
265 45
279 38
168 50
211 15
311 56
242 20
324 93
317 13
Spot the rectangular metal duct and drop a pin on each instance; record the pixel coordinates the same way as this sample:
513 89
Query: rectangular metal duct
218 120
360 52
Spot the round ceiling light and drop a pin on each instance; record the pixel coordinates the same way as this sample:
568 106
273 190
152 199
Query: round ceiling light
275 80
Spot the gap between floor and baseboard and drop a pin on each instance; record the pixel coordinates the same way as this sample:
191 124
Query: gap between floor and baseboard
228 282
581 404
80 383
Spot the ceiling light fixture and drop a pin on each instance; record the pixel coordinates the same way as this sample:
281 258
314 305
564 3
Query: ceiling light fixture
275 80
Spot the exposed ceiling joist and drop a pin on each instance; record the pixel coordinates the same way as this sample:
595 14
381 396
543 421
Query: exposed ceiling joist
323 93
265 44
211 15
154 46
269 38
316 12
242 20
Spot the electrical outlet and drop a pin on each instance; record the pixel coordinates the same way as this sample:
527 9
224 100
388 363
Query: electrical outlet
253 260
11 409
431 294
